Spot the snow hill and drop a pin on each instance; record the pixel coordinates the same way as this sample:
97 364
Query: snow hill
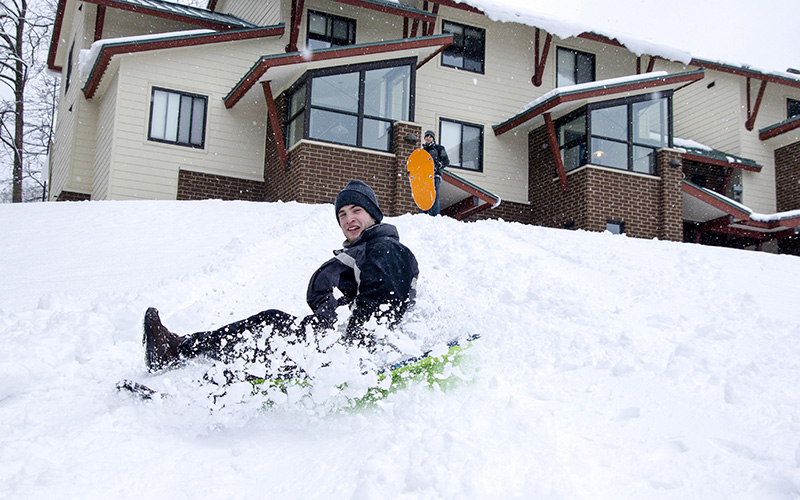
608 367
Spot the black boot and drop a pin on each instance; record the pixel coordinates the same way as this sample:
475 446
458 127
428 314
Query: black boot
160 345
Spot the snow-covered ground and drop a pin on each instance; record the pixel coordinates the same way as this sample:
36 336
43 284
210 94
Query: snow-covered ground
608 367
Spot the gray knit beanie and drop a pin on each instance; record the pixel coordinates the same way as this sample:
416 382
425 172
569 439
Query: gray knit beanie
358 193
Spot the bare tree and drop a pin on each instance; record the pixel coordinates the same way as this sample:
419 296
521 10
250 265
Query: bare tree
26 116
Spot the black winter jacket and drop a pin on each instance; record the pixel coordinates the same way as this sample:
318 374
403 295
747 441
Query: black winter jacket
439 155
377 276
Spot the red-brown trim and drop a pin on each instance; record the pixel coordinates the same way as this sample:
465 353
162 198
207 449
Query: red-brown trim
650 64
752 112
62 5
51 56
99 22
746 73
294 29
388 9
430 26
540 60
459 6
602 39
553 141
109 51
164 15
466 208
265 63
275 123
780 129
714 201
720 163
598 92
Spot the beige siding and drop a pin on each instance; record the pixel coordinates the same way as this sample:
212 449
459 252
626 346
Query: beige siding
105 142
263 12
73 142
711 116
235 138
501 93
715 115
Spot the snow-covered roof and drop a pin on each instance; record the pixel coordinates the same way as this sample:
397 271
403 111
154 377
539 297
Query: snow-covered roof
682 31
189 11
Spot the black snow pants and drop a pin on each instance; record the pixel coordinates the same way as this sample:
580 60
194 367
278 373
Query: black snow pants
248 339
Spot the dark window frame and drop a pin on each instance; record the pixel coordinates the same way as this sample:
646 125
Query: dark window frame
178 142
458 162
585 141
69 68
330 39
577 55
792 108
459 48
305 83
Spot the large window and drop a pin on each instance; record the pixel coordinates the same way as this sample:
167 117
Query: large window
355 106
327 30
178 118
792 108
467 51
624 133
464 144
573 67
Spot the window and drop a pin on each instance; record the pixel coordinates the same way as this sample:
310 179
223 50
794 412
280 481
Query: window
468 47
355 106
624 133
178 118
573 67
69 68
792 108
464 144
327 30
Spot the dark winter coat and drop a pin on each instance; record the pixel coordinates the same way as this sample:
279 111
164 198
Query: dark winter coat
377 276
439 155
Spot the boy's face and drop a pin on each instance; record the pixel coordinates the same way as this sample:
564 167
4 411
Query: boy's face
428 139
353 219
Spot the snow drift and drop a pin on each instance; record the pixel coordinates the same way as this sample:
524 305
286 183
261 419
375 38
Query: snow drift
608 367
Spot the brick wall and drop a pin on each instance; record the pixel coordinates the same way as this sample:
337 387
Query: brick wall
507 210
787 177
650 207
317 171
199 186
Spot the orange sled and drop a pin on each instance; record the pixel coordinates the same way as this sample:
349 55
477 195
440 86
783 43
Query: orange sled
420 174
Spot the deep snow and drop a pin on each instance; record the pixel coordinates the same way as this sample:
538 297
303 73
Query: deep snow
609 367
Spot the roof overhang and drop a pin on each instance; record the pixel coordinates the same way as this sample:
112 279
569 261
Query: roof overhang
460 198
392 8
564 99
284 69
718 213
106 62
711 156
778 129
202 18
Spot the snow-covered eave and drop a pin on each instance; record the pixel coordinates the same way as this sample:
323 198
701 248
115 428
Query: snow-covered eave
498 11
477 199
427 46
202 18
693 150
776 225
585 91
100 55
